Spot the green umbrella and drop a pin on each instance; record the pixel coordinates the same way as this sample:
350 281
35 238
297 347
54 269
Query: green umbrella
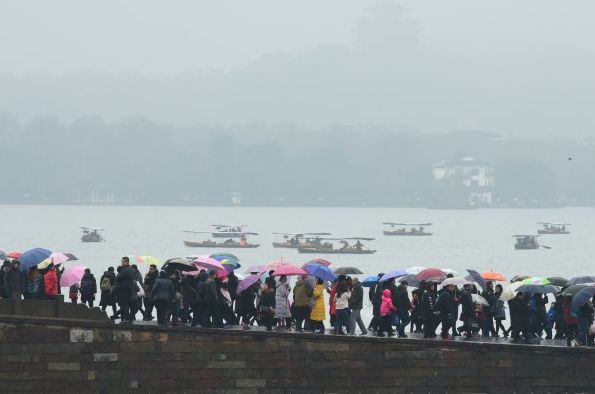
536 280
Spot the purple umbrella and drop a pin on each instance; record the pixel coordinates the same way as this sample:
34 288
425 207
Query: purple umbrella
393 274
247 282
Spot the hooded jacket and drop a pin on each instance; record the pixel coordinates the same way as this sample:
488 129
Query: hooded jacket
387 305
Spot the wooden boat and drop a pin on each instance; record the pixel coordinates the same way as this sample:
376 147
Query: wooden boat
225 245
91 234
296 240
328 248
407 229
526 242
553 228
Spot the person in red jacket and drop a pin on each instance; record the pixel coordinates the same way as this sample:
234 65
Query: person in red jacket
570 321
50 283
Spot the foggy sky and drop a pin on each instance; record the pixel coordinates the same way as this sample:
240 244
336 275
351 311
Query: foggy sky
514 68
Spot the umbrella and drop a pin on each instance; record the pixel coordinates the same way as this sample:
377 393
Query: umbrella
320 262
257 268
320 271
393 274
479 299
415 270
247 282
72 275
230 265
370 281
33 257
208 263
2 255
56 258
348 271
411 279
538 289
558 281
582 297
288 270
495 276
510 291
431 273
536 280
518 278
150 260
575 281
476 277
180 264
224 256
450 271
457 281
14 255
573 290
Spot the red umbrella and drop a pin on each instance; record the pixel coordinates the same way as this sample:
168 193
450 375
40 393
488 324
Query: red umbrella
493 276
289 269
431 273
14 255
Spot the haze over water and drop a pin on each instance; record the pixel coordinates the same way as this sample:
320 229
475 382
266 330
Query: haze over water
480 239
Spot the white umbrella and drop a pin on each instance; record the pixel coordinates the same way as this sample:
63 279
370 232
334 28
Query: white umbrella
415 270
479 299
510 291
450 271
457 281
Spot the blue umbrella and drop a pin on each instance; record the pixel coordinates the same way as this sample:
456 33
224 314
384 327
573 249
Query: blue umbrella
393 274
582 297
370 281
33 257
320 271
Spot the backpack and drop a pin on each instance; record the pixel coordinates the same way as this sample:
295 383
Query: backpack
105 284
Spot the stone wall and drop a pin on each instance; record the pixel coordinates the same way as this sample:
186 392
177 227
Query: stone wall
54 355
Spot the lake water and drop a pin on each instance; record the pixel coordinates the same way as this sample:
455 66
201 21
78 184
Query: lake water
479 239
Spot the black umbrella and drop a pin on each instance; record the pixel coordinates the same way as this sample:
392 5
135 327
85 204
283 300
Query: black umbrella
179 263
538 289
558 281
519 278
348 271
581 279
572 290
411 280
476 277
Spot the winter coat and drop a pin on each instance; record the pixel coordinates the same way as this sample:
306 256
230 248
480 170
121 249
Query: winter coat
568 318
149 282
428 305
282 301
445 302
245 303
163 290
106 295
318 311
13 282
401 299
468 311
88 285
189 291
302 294
125 279
499 309
387 306
332 306
356 301
50 283
342 301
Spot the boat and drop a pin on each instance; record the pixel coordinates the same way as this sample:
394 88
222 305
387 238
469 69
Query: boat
92 234
228 230
228 243
526 242
295 240
553 228
407 229
328 247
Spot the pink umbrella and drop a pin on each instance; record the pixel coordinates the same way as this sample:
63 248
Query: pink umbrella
431 273
324 262
289 269
72 275
208 263
257 268
247 282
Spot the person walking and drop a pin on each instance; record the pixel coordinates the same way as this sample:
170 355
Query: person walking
318 314
429 313
266 308
520 318
342 306
50 283
356 304
88 288
302 299
570 322
488 325
106 285
445 305
245 306
499 311
124 287
162 294
387 309
403 305
282 312
149 282
467 311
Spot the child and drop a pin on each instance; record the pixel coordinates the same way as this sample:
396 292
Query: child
387 308
74 293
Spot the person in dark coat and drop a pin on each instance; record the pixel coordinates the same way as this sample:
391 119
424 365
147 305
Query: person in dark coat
520 318
490 297
5 267
403 304
150 279
124 287
356 304
375 296
106 285
209 292
467 311
429 313
162 294
88 288
445 304
245 306
189 291
499 312
13 281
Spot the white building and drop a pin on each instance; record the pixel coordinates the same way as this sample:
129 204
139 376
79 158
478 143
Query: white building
476 178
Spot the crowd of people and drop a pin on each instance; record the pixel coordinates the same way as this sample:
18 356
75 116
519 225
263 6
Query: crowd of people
207 300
